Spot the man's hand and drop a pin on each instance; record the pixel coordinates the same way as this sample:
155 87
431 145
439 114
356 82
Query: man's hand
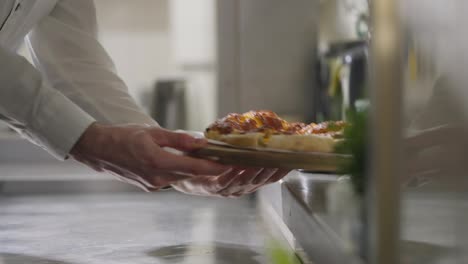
136 154
234 183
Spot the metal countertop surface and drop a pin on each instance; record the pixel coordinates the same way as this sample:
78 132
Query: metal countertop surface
110 228
70 227
433 220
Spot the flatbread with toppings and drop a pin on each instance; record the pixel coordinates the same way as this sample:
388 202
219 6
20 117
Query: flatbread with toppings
266 129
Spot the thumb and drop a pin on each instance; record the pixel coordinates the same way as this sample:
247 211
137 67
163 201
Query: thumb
180 141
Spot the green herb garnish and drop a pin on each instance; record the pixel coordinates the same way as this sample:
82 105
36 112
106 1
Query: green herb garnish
355 144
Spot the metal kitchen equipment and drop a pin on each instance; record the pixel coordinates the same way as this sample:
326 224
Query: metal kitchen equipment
169 104
342 80
266 56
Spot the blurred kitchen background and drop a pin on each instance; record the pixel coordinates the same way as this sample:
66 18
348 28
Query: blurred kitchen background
190 62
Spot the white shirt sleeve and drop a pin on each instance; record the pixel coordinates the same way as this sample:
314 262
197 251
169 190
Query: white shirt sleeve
41 113
65 49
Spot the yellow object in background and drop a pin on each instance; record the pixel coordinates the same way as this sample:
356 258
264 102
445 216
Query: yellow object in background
335 82
413 67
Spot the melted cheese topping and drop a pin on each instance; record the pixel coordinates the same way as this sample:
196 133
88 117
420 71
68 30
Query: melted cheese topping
270 124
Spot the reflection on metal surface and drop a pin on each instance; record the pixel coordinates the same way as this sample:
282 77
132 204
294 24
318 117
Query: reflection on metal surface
130 228
8 258
219 253
305 202
429 217
436 118
423 252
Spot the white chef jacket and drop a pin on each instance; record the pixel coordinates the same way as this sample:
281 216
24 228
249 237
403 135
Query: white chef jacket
73 83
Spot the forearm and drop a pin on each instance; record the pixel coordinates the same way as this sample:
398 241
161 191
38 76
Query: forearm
65 48
31 107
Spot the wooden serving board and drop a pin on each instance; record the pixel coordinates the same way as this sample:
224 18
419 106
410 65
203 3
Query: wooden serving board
310 161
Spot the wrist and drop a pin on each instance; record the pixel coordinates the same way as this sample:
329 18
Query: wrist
90 137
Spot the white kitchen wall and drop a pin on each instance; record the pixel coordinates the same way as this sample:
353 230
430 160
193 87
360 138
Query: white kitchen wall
136 35
193 31
193 27
338 20
153 39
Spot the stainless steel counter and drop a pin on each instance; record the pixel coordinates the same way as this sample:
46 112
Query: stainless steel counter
85 218
63 213
433 222
129 228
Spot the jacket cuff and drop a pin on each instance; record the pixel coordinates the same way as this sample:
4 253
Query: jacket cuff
59 123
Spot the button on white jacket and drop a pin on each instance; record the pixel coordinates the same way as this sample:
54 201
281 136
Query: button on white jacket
73 83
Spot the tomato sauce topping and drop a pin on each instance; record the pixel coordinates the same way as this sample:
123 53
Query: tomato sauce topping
271 123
